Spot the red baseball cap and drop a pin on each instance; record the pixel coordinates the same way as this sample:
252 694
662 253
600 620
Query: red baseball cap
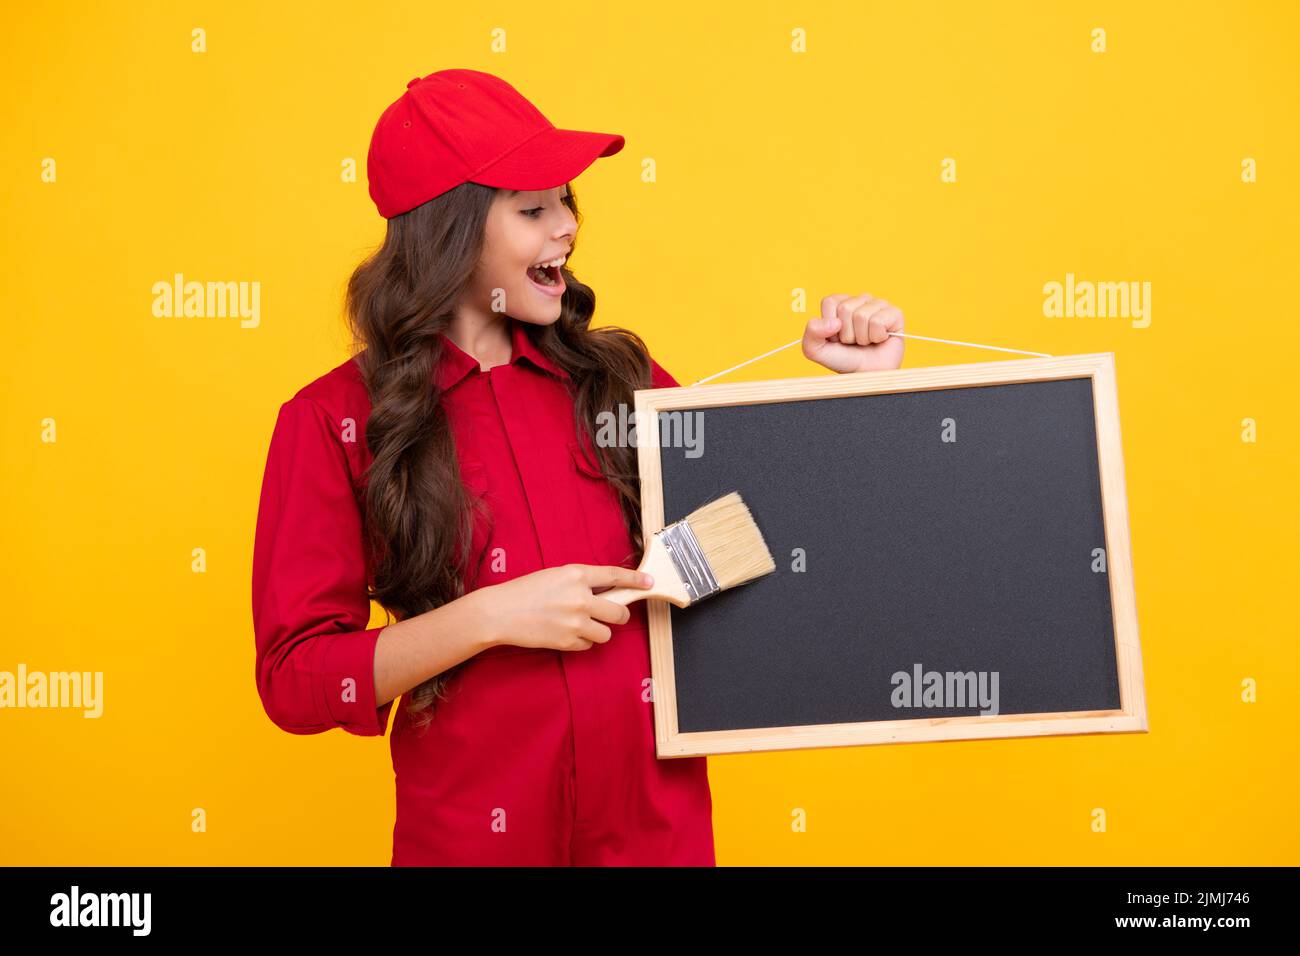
459 126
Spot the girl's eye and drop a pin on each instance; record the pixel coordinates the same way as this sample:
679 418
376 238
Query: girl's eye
533 213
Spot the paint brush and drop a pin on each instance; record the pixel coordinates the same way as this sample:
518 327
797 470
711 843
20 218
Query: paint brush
715 547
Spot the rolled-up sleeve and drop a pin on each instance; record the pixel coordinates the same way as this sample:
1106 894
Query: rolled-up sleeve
315 655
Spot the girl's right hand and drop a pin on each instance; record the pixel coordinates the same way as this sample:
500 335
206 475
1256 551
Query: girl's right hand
852 334
557 607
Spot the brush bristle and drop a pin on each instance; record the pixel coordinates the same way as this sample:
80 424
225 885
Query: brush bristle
731 541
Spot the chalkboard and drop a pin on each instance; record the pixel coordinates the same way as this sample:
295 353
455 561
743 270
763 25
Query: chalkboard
952 558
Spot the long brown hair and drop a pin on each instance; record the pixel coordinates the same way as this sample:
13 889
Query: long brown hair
418 515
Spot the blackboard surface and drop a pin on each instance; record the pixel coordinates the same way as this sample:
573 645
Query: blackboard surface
920 555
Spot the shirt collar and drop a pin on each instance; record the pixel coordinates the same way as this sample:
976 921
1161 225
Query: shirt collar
456 363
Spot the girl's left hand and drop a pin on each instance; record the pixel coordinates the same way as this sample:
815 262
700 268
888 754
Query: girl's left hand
852 334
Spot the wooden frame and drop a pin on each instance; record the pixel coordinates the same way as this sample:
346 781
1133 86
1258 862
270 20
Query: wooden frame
1100 367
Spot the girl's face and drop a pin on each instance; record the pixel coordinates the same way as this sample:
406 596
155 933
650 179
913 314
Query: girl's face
525 229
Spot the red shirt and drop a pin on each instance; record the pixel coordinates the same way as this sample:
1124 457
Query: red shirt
538 756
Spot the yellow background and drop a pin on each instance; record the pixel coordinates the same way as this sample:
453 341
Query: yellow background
775 171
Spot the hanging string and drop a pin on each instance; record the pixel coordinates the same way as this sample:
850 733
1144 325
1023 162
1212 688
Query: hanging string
901 335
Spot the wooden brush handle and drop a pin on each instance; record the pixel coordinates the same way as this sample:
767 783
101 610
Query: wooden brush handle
668 584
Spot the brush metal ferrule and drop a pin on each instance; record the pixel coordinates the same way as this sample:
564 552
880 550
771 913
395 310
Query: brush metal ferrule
688 557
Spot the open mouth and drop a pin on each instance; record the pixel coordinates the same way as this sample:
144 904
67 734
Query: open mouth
547 273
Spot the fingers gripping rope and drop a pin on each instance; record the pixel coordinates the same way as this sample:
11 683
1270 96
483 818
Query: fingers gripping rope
909 335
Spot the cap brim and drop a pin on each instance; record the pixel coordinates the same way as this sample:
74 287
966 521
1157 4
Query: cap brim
551 158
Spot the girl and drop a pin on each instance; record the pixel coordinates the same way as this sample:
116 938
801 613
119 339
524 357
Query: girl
449 472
